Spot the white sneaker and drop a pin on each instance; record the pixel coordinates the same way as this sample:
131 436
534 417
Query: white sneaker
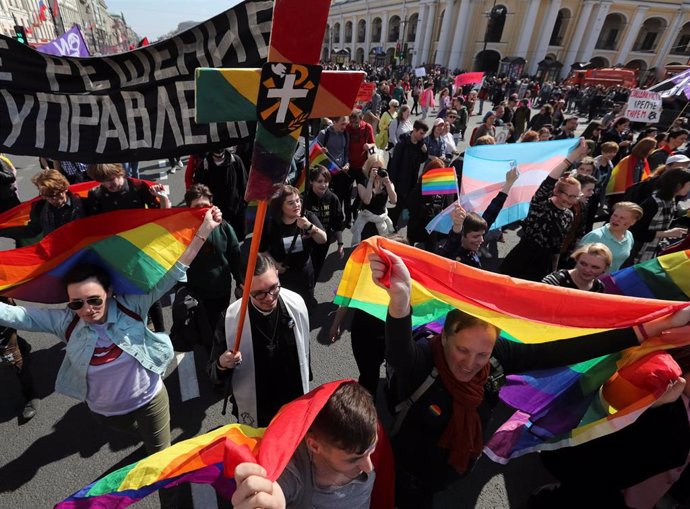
172 169
180 164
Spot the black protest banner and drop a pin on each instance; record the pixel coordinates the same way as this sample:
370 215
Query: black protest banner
132 106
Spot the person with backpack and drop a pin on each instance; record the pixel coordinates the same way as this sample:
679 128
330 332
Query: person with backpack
335 139
444 390
112 361
223 171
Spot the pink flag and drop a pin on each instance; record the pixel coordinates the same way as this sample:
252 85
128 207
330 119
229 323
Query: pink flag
468 78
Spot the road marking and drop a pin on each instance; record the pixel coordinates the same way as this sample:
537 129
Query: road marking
204 496
186 372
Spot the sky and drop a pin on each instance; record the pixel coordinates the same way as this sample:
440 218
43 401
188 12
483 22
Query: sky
153 18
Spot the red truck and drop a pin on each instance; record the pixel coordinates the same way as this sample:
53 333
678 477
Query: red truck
607 77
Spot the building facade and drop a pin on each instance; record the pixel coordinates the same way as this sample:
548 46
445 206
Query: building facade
103 32
542 37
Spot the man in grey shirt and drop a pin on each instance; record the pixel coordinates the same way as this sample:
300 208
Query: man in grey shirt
332 467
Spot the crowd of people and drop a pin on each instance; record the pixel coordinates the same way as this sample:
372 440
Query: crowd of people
634 187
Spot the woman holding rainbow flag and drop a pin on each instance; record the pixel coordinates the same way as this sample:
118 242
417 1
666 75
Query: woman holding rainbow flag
440 435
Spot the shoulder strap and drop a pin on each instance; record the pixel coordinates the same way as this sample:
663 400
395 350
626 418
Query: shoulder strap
403 407
70 328
128 312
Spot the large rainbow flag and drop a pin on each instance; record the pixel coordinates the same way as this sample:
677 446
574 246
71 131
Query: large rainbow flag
138 247
527 312
622 175
213 457
666 277
485 168
19 215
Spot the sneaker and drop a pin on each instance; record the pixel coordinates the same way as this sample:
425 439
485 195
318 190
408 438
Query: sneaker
180 164
172 169
30 409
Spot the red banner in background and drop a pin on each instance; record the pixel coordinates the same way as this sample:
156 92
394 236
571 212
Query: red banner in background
468 78
366 92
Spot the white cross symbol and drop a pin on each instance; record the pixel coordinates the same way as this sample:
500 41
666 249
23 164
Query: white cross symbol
286 94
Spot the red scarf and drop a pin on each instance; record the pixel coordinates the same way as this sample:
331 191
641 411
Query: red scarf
463 435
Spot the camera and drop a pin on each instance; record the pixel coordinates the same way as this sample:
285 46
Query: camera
382 173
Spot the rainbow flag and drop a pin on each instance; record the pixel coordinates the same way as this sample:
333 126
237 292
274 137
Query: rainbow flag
484 173
138 247
317 156
622 175
439 181
19 215
526 312
666 277
213 457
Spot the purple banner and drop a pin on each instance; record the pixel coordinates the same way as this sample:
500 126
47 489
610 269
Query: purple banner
69 44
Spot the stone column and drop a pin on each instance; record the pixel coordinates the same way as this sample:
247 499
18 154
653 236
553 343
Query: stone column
671 36
576 41
341 39
367 38
525 33
384 30
598 23
428 30
419 34
443 53
631 35
546 30
458 47
353 48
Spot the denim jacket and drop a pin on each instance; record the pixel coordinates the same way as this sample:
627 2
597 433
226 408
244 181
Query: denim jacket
153 351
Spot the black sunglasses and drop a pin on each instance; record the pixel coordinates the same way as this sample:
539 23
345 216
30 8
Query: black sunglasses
77 304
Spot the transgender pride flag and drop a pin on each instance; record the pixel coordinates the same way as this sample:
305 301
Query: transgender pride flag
485 168
484 173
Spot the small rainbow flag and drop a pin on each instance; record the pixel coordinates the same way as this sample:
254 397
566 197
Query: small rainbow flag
137 246
213 457
439 181
317 156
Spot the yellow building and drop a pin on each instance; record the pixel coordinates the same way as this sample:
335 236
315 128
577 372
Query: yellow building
543 37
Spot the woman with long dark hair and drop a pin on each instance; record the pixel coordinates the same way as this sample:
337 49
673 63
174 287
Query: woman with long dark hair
289 240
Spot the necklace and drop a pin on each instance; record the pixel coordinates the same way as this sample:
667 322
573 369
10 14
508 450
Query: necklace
272 342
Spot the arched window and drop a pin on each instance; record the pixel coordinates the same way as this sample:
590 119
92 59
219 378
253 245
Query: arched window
394 29
336 33
560 28
361 30
611 31
682 44
650 35
412 27
348 32
497 21
376 30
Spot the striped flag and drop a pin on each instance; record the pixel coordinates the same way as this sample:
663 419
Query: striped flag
318 156
439 181
485 168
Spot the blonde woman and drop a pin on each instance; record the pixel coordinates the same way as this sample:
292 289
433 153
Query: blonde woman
591 261
377 192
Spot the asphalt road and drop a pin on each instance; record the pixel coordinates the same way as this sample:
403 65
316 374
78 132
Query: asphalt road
62 449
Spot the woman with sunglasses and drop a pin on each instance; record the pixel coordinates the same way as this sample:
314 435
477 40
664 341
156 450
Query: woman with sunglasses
274 347
113 361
